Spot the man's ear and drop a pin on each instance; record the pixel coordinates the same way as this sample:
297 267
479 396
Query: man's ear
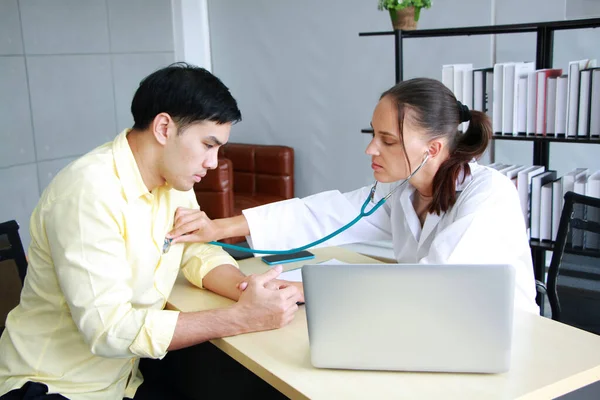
434 148
163 127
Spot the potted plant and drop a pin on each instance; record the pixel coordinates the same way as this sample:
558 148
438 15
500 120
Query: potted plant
404 13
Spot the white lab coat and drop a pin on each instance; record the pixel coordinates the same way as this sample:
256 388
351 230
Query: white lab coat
485 226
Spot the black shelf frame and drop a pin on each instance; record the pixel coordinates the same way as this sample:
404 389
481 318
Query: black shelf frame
530 138
492 29
543 59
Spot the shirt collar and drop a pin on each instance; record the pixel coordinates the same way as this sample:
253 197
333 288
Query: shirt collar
127 168
462 181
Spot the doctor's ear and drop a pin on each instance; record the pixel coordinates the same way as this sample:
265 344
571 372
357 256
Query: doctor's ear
434 148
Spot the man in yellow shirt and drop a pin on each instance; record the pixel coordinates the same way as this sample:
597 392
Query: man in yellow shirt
98 279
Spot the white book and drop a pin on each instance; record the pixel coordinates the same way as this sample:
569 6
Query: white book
506 169
585 81
448 76
592 240
508 98
546 211
467 95
453 76
560 122
543 76
458 83
536 201
539 108
550 105
580 184
531 102
459 79
556 206
595 104
497 98
573 93
521 107
513 171
512 174
522 70
593 185
497 166
524 188
568 182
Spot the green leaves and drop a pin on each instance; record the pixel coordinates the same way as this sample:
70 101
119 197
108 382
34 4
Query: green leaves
400 4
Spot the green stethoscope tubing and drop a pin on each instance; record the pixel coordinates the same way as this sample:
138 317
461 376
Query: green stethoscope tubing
363 213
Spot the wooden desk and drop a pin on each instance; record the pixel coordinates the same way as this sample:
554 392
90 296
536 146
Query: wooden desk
549 359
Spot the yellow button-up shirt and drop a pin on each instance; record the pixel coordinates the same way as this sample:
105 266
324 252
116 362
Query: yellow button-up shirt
97 281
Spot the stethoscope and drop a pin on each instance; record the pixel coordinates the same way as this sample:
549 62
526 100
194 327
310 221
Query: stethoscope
363 213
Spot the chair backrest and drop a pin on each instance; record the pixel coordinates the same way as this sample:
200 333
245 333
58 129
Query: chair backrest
13 267
11 247
261 169
574 273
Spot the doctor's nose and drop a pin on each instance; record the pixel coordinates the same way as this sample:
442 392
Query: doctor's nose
372 149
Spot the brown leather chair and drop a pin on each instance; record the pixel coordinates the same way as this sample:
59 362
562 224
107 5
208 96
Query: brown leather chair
248 175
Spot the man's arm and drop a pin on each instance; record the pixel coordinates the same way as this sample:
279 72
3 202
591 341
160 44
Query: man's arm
197 327
223 280
258 309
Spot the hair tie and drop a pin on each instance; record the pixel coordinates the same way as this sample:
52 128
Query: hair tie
464 114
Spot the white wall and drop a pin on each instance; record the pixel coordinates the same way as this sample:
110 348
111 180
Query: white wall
304 78
297 71
68 71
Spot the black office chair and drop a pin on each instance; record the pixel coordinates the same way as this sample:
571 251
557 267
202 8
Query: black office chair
574 273
11 247
12 273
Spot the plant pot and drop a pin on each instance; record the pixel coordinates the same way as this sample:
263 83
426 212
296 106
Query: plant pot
404 19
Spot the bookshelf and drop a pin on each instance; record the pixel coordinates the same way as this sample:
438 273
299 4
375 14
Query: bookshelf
543 59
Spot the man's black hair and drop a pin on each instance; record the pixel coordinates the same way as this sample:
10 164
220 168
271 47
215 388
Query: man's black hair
189 94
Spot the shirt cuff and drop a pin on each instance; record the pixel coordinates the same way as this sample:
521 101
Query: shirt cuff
256 225
156 334
198 267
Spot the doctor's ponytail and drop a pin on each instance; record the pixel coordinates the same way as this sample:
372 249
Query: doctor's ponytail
439 114
464 148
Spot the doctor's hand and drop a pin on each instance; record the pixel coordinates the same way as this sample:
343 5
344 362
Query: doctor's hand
263 308
275 284
192 225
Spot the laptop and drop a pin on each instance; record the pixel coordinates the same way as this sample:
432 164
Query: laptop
404 317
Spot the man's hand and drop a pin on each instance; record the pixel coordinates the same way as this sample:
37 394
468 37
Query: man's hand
192 225
275 284
265 308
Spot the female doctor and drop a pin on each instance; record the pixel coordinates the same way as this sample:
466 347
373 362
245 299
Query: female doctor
452 210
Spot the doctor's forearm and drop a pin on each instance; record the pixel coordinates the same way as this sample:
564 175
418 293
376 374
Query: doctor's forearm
231 227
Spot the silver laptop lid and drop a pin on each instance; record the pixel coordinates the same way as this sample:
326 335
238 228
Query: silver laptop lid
446 318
